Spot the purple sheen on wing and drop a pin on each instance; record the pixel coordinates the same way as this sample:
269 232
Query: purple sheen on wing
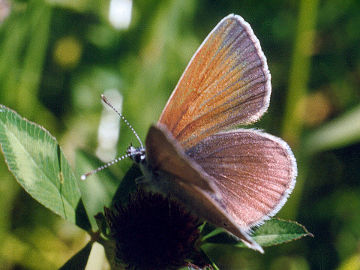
254 171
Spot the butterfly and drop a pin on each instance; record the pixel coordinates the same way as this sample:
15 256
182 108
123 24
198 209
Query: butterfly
234 179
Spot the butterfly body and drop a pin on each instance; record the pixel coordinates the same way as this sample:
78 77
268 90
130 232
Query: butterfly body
151 179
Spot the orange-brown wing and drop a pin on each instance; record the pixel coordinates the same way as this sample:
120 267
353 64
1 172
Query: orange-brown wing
254 171
226 83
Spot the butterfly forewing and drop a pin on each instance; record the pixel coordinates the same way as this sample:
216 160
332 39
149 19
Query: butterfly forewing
227 82
254 171
165 154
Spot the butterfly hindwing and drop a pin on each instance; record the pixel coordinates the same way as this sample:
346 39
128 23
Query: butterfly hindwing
254 171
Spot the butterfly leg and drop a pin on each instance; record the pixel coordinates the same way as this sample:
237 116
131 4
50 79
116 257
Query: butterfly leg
141 180
190 265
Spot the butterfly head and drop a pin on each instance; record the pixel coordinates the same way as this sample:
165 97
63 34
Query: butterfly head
137 154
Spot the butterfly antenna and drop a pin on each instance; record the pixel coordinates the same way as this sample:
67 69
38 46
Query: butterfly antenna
84 176
123 118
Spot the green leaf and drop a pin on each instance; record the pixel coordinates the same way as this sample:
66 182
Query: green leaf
127 186
110 252
273 232
82 218
195 267
102 224
209 260
79 260
97 190
340 132
38 164
278 231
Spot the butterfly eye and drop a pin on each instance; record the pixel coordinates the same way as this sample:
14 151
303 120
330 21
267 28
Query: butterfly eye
136 154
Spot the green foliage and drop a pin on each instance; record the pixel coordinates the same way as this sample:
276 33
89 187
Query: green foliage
38 164
273 232
79 260
98 192
337 133
57 57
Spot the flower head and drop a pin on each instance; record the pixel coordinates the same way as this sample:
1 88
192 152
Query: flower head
153 232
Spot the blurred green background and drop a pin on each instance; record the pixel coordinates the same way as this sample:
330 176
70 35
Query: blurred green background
58 56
